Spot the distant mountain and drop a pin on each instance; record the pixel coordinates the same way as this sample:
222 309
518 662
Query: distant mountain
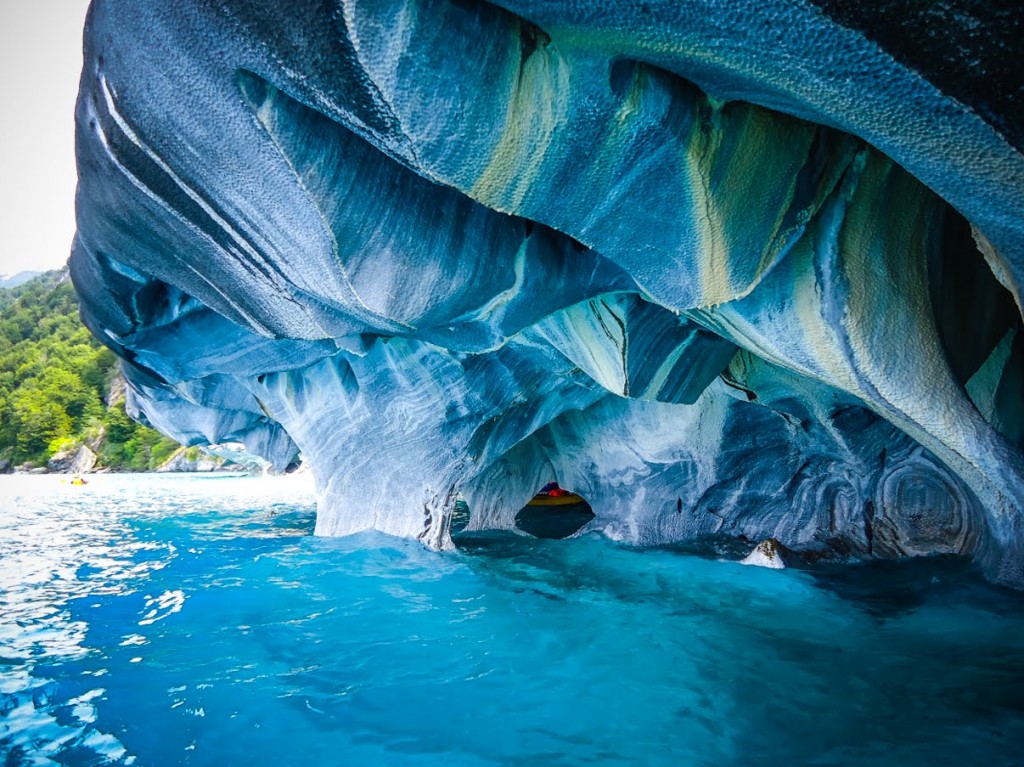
12 288
14 280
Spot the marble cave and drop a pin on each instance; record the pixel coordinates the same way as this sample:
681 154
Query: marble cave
736 270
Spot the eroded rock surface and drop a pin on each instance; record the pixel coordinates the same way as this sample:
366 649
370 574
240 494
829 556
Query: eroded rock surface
722 268
73 461
765 554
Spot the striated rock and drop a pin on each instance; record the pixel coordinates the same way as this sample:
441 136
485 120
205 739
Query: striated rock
235 457
746 269
768 553
72 461
115 391
190 459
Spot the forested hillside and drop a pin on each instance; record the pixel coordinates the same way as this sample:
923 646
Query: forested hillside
56 384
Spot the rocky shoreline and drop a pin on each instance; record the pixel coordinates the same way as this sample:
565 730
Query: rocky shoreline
82 460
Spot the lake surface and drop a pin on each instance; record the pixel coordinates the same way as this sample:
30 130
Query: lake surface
155 620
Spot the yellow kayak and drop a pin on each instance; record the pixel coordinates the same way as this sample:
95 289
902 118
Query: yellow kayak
569 499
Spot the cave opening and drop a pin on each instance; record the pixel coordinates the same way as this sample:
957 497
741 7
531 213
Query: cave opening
979 325
460 516
554 513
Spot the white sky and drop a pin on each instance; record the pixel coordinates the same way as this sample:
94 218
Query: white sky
41 58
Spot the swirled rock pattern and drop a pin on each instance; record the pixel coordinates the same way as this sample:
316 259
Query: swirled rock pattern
726 269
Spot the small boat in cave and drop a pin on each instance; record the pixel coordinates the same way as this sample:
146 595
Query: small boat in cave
569 499
554 513
553 495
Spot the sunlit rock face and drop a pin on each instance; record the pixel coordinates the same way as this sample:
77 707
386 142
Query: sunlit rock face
725 269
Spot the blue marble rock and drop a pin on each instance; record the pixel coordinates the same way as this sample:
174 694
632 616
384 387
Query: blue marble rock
744 270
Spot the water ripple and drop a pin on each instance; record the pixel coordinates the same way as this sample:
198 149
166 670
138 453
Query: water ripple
191 620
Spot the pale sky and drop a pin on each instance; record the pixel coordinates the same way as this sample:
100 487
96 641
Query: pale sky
41 56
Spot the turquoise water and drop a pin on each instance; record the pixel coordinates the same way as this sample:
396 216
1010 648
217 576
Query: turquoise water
196 621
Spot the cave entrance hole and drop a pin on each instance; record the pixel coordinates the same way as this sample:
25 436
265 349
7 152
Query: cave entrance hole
460 516
554 513
979 325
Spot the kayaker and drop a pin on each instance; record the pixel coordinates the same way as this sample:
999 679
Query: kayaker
552 490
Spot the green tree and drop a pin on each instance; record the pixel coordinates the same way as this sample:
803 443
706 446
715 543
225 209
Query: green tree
55 378
37 421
